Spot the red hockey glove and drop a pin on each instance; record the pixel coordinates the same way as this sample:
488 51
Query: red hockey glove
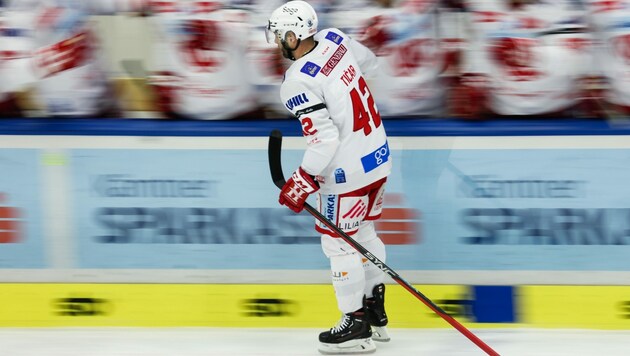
297 189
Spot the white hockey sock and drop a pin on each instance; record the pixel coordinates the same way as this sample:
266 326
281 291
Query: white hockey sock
373 275
368 238
348 279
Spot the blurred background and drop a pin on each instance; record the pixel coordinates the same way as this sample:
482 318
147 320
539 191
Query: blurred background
208 60
134 186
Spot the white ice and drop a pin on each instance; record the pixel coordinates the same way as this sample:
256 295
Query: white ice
300 342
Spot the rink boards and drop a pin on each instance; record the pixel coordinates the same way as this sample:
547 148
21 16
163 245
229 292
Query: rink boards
272 305
136 228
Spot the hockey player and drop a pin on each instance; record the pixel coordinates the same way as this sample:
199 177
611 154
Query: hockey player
346 162
406 42
525 58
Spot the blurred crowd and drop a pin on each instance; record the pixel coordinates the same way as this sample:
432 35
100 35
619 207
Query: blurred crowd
472 59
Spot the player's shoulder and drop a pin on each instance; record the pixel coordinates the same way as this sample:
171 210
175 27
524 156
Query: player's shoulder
331 35
297 78
306 68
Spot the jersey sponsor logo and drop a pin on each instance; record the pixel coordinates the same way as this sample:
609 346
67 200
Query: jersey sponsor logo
311 69
340 176
334 37
331 207
334 60
374 159
296 101
357 210
339 276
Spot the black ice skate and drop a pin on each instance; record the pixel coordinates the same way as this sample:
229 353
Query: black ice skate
352 335
375 308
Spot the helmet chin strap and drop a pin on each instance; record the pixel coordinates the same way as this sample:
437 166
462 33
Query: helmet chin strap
287 52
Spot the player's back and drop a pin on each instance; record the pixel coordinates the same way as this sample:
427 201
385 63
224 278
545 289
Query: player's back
332 74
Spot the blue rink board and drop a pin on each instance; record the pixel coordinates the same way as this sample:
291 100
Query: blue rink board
466 223
291 127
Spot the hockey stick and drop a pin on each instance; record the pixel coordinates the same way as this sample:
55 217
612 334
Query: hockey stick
275 166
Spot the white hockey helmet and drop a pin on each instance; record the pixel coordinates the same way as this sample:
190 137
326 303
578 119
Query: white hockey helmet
295 16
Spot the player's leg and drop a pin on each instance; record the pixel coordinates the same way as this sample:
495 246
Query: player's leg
374 277
353 333
375 290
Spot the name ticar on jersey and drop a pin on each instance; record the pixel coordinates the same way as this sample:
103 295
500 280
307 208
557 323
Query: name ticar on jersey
348 75
334 37
296 101
311 69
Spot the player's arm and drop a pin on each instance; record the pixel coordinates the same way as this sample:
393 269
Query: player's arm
322 139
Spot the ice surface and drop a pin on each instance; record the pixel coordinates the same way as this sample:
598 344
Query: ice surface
300 342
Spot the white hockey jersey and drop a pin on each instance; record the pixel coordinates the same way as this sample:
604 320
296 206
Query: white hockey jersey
407 44
611 23
532 56
209 73
64 63
326 90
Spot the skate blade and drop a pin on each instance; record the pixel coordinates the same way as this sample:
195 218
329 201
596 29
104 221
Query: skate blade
380 334
358 346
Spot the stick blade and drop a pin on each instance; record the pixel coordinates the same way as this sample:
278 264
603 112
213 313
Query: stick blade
275 158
